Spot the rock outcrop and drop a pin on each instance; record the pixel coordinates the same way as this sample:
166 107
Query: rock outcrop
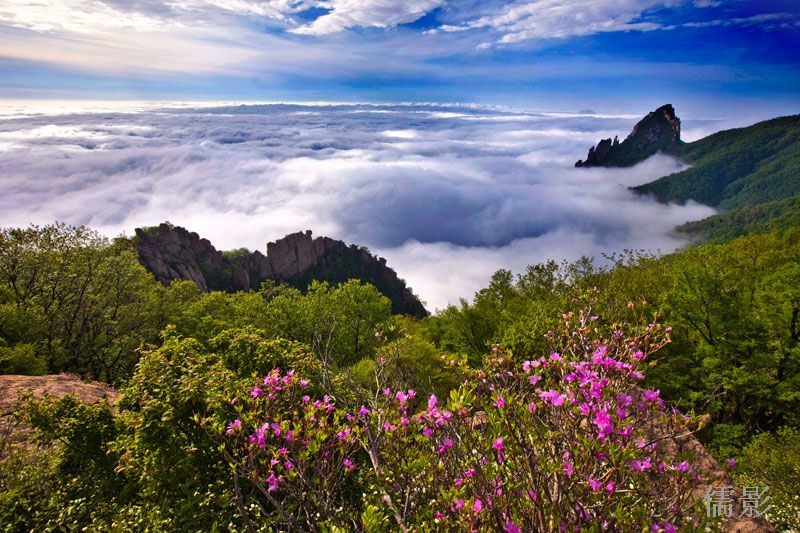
172 253
14 388
660 130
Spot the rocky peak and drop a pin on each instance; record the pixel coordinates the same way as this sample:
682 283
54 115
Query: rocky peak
171 253
660 130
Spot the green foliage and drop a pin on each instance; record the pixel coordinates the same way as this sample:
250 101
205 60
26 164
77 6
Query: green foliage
70 481
248 351
510 311
83 303
339 323
773 460
759 218
175 464
234 254
735 308
21 359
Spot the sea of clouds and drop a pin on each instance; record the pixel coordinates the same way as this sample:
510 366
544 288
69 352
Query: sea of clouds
448 194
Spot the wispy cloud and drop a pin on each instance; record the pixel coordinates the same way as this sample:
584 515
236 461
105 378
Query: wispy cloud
547 19
345 14
447 194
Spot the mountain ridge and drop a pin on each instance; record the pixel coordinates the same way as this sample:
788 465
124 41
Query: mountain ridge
172 252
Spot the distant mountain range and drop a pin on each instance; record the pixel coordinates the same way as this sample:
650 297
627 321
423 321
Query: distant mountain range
172 252
752 174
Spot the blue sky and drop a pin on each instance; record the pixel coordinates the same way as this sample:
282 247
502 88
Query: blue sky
707 57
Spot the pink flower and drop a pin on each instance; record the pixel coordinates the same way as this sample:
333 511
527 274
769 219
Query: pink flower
683 466
446 444
651 395
288 465
536 378
304 383
604 423
553 397
233 426
568 468
306 399
624 400
731 462
500 403
532 407
596 485
610 487
256 392
348 464
511 527
478 505
638 355
363 411
460 504
427 432
411 394
526 366
404 421
432 401
469 473
640 466
498 444
666 527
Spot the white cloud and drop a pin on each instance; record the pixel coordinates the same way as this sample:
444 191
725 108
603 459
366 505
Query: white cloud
546 19
346 14
447 194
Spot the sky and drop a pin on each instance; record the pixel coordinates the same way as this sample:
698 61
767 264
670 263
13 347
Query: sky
705 56
441 134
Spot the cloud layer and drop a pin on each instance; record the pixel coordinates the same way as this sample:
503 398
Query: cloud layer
448 194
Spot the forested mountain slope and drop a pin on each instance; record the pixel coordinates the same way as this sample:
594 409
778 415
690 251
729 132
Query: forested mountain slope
736 168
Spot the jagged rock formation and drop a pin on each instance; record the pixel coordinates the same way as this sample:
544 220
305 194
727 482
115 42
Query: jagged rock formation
660 130
171 253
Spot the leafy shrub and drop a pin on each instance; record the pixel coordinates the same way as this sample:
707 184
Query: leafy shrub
564 442
21 359
773 460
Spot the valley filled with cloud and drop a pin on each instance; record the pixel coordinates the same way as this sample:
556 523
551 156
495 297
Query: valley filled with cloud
447 193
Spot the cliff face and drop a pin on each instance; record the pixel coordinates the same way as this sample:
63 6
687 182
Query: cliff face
174 253
660 130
